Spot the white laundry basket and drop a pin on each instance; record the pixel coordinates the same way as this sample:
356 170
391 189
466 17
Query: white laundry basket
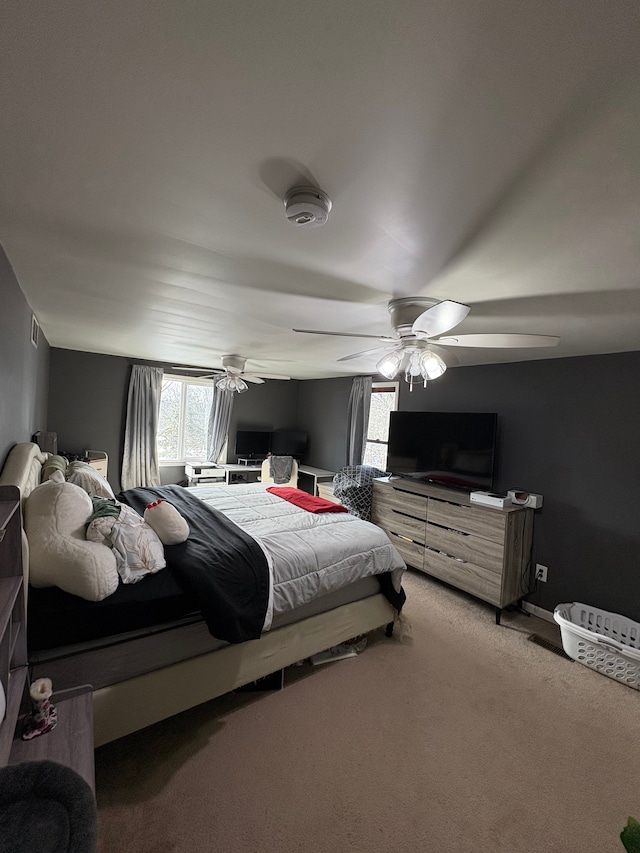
606 642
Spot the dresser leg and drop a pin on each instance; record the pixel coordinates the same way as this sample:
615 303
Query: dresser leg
498 615
389 630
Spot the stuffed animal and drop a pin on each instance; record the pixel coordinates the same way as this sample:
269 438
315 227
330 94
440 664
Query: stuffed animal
136 546
167 522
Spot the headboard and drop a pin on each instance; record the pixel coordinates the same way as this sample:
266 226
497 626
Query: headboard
23 468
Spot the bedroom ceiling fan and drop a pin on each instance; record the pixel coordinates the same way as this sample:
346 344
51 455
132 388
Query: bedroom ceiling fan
416 347
232 376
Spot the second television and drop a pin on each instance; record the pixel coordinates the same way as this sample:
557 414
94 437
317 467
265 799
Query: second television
454 449
257 444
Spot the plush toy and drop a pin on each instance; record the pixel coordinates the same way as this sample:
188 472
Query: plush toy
167 522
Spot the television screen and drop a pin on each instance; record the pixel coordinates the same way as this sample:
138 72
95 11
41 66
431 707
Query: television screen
252 444
289 442
452 448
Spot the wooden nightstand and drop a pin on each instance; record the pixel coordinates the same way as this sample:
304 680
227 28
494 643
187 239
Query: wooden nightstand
71 741
99 460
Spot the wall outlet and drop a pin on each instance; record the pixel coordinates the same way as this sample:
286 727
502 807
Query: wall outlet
541 572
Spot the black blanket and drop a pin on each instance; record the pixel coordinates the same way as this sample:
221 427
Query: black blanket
220 564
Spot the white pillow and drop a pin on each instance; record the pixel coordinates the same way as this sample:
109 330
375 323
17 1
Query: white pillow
59 555
167 522
84 475
137 549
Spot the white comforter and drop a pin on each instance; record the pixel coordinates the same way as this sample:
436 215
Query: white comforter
308 554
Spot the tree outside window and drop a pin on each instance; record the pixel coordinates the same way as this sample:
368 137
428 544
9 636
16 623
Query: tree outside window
384 400
184 414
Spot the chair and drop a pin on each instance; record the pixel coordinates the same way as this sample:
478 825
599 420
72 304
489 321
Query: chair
353 488
265 473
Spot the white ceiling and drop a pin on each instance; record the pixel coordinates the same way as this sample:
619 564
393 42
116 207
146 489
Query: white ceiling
485 151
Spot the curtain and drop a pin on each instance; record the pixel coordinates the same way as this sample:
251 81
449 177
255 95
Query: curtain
358 418
219 420
140 459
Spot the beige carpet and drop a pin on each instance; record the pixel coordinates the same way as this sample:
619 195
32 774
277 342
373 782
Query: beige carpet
467 738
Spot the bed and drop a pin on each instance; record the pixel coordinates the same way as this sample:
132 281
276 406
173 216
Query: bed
147 650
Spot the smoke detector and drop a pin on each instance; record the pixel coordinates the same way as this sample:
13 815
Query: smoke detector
307 206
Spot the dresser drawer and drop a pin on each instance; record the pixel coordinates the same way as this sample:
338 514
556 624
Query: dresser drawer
467 576
474 549
411 552
403 525
387 501
487 523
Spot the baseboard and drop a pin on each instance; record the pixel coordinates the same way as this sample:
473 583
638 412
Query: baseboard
538 611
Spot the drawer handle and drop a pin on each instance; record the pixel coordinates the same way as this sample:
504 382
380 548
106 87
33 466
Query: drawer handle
448 529
444 554
406 515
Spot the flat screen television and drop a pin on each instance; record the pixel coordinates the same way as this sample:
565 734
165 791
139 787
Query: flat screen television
253 444
289 442
454 449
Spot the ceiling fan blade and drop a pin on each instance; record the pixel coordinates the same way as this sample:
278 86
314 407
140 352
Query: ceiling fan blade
269 376
207 371
439 318
366 352
250 378
498 340
348 334
449 358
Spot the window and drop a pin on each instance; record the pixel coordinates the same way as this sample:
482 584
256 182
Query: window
184 415
384 400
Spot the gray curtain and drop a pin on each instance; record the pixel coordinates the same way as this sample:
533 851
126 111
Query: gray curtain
219 420
140 459
358 418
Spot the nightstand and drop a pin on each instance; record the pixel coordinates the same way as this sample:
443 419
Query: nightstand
99 460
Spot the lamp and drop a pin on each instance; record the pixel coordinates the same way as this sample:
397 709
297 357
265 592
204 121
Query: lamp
418 364
389 365
231 383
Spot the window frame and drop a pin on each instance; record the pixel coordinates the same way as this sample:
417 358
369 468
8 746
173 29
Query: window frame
378 388
184 381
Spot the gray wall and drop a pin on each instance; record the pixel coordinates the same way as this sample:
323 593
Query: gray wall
322 412
24 370
88 406
273 405
568 430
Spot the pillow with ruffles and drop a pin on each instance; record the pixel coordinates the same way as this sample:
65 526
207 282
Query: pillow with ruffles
84 475
55 515
136 546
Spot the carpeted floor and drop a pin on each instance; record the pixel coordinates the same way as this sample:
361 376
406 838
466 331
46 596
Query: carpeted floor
466 737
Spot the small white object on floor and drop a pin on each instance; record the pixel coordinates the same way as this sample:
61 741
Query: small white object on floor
334 653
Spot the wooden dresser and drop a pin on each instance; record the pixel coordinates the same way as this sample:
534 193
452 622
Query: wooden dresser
481 550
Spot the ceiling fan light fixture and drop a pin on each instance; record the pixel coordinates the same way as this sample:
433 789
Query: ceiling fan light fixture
415 364
389 365
431 365
231 383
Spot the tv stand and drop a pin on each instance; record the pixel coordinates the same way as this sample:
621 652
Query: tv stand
482 550
250 460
